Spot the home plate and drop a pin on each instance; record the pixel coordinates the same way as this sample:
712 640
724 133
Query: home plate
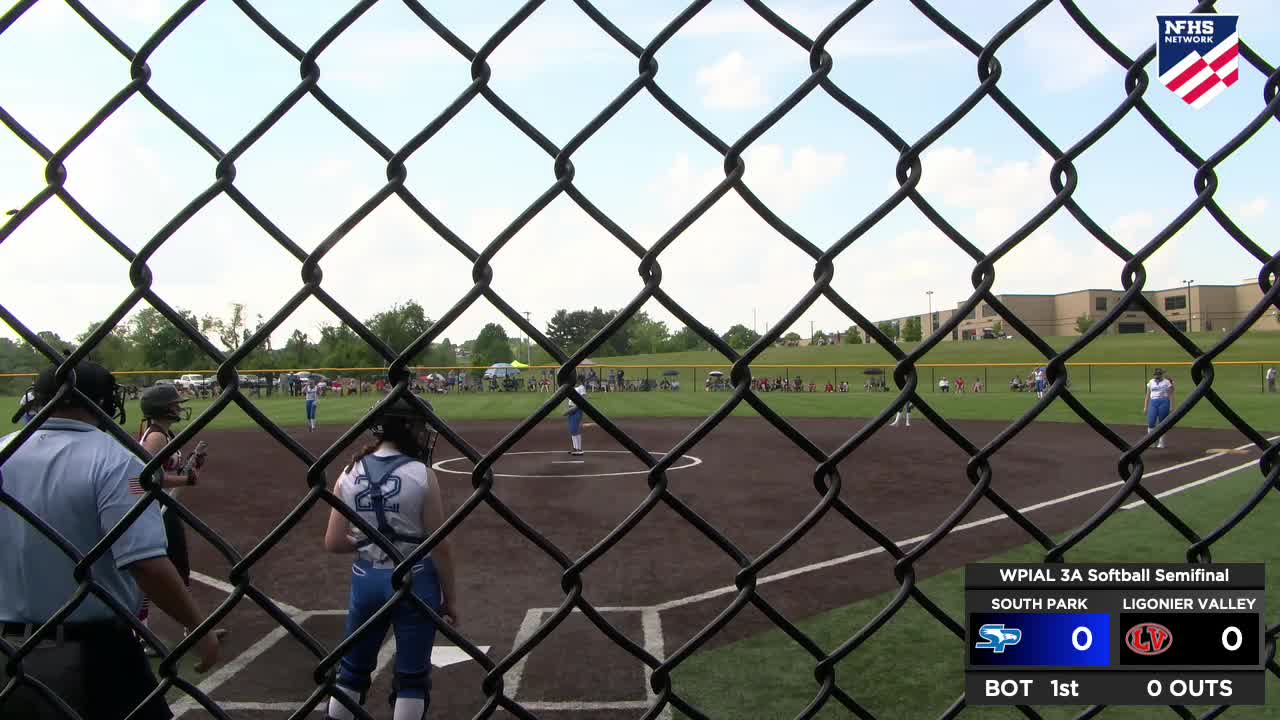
445 655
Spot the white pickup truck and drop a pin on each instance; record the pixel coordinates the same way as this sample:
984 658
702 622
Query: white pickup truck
190 383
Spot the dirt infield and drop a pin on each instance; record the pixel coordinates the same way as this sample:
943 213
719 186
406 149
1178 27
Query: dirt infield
664 581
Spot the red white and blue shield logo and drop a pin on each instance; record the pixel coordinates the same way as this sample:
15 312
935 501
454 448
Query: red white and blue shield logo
1199 55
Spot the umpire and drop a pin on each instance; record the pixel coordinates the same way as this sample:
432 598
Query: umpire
81 482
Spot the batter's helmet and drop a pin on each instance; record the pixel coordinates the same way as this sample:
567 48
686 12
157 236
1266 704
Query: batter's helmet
94 381
157 402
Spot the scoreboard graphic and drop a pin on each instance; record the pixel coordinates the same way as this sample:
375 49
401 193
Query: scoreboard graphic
1115 634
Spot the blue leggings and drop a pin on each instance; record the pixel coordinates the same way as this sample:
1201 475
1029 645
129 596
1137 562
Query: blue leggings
311 409
415 633
575 422
1157 410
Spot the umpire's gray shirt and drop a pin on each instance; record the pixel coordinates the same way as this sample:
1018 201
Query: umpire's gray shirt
77 479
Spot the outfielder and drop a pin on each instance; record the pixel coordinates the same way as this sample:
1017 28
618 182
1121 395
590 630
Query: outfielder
388 483
1156 402
27 407
574 414
312 395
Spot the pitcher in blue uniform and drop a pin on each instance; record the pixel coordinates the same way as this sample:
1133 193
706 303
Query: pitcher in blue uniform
389 484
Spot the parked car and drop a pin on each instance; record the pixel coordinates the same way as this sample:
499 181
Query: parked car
317 378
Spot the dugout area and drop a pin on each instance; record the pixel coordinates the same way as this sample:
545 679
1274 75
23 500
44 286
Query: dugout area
664 581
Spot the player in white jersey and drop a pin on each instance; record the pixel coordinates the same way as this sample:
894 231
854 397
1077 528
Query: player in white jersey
1157 401
574 414
389 485
312 394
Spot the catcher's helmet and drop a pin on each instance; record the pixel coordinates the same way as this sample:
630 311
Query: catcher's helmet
157 402
94 381
396 422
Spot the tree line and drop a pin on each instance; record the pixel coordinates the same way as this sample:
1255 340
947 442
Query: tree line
148 341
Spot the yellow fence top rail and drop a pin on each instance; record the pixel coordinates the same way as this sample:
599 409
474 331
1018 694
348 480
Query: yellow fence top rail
681 366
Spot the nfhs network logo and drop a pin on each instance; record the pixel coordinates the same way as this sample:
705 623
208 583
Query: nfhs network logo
996 637
1199 55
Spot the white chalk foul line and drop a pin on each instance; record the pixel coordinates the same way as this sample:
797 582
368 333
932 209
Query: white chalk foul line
229 588
786 574
1183 488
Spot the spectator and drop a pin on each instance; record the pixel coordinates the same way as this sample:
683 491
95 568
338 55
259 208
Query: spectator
959 384
944 385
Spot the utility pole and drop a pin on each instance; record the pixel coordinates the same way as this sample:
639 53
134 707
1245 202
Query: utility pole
753 320
931 327
810 333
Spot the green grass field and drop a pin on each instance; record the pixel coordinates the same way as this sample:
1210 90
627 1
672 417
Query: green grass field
1114 393
913 667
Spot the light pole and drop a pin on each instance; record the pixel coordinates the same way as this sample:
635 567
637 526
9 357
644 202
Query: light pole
528 346
1188 284
930 294
810 333
753 319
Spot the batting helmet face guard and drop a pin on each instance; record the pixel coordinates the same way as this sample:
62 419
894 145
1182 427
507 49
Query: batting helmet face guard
402 423
163 402
94 381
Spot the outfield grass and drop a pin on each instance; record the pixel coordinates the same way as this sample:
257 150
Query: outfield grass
1125 408
913 668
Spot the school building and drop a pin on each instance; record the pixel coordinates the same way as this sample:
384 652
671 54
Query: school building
1197 308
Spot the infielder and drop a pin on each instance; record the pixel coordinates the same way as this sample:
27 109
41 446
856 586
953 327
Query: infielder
574 414
904 412
312 395
1156 402
389 485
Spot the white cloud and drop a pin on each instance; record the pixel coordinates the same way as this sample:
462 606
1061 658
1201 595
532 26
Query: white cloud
1066 59
862 37
783 181
1254 208
1000 196
730 84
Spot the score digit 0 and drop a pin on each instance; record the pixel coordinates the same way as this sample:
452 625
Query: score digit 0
1088 638
1239 638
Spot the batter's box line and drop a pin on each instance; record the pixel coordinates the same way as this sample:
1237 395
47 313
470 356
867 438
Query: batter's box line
651 627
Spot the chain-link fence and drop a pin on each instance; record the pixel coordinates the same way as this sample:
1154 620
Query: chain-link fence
827 481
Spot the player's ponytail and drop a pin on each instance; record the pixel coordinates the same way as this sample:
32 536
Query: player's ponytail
362 452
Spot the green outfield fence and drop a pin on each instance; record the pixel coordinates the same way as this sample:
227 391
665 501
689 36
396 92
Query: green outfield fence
1232 376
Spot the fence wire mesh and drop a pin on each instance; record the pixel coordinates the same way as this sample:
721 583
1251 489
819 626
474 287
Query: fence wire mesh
827 481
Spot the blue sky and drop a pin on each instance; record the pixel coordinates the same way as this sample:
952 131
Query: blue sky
820 168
